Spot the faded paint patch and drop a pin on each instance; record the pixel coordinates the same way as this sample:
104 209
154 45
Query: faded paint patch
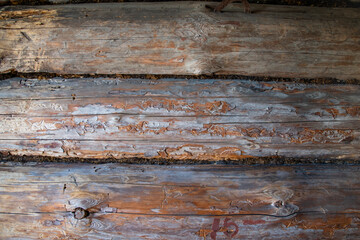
42 125
322 136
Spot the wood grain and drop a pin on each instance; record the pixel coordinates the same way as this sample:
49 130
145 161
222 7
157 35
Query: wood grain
179 202
181 38
178 119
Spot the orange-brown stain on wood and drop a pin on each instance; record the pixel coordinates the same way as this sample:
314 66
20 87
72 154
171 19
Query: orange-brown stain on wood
155 44
343 112
53 207
216 130
230 153
182 152
146 201
200 152
57 45
98 62
322 136
158 60
203 233
328 224
333 111
194 45
143 128
103 154
213 107
77 47
353 111
228 48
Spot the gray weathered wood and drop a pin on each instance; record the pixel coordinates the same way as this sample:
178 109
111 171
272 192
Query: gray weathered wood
181 38
37 201
178 119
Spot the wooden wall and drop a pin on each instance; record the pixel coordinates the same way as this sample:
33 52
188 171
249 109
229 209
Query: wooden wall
179 202
178 119
181 38
167 119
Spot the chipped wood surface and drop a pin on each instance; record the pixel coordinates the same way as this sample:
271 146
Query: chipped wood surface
181 38
37 201
178 119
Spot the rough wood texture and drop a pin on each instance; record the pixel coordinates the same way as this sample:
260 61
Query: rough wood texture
178 119
181 38
37 201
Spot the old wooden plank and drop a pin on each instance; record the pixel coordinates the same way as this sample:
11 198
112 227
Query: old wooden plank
178 202
181 38
178 119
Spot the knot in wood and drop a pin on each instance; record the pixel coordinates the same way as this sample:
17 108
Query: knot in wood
278 204
80 213
285 209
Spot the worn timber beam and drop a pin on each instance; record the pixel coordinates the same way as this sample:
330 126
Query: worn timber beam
181 38
180 119
84 201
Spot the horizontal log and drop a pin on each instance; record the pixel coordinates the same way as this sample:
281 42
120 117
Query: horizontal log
178 119
181 38
39 201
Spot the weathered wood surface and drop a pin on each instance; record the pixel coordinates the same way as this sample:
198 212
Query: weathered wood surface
178 119
181 38
179 202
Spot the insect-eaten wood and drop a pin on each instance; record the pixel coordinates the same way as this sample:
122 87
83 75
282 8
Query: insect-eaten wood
180 119
110 201
181 38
